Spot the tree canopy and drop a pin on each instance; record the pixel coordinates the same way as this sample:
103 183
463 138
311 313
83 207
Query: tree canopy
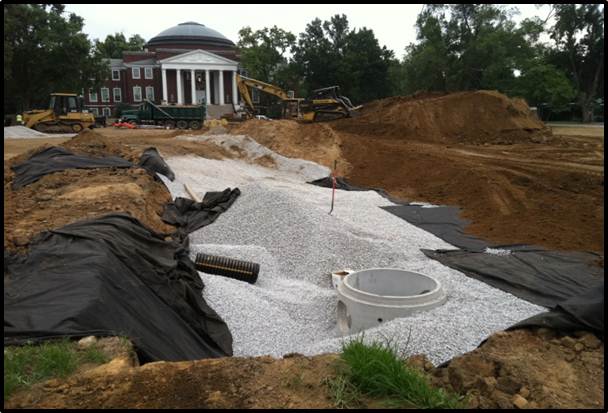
114 45
45 51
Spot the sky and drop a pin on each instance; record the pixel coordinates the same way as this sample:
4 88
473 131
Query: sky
393 24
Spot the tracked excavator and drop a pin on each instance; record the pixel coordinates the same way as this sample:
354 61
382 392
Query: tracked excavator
324 104
65 114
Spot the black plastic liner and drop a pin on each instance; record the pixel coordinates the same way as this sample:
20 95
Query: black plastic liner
112 276
152 162
188 215
569 283
542 277
584 310
442 221
57 159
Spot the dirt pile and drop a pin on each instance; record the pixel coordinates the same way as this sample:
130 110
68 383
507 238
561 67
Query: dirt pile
465 117
315 142
235 383
64 197
530 369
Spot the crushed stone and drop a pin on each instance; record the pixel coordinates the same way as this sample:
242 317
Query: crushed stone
283 224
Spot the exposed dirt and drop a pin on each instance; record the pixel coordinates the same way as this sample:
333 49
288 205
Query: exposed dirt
513 179
315 142
465 117
262 382
549 194
530 369
75 194
521 368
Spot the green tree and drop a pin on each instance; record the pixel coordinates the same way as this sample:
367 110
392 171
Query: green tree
578 34
329 53
263 53
45 51
115 44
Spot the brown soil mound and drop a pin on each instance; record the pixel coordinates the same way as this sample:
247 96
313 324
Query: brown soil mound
235 383
315 142
530 369
64 197
466 117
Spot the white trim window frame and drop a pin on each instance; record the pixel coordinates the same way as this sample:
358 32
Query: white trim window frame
146 72
91 94
106 112
105 97
115 95
150 96
137 93
138 72
94 111
116 71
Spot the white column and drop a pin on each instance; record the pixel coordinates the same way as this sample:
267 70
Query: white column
221 87
234 97
180 95
164 77
207 88
216 87
193 84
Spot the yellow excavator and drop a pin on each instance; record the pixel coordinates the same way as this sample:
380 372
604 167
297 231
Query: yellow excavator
65 114
325 104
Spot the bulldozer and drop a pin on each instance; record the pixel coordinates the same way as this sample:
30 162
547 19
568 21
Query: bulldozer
324 104
65 114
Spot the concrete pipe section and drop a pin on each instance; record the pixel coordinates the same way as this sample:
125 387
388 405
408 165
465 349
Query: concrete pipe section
370 297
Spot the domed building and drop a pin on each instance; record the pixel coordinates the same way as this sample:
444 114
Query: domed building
184 65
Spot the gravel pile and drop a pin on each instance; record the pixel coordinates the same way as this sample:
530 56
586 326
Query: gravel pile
21 132
283 224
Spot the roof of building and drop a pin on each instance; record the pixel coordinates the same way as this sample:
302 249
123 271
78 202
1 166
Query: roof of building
190 33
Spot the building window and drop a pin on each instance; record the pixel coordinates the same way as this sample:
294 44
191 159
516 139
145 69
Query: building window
107 112
92 95
105 94
115 74
136 73
148 72
255 95
94 111
117 94
150 93
137 93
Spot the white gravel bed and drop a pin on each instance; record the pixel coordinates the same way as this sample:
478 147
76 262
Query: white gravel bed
283 224
21 132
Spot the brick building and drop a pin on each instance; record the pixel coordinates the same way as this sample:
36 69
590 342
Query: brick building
186 64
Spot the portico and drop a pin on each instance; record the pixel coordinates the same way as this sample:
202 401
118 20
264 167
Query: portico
200 76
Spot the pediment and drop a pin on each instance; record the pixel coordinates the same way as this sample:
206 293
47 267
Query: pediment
198 57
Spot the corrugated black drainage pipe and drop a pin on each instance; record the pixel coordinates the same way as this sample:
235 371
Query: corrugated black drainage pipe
228 267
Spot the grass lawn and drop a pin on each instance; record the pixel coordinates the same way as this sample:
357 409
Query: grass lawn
376 371
29 364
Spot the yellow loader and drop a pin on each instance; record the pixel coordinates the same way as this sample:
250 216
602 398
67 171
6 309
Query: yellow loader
65 114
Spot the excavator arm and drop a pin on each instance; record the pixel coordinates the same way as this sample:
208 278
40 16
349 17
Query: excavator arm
244 83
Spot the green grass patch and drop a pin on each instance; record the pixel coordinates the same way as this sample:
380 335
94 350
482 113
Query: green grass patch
30 364
376 370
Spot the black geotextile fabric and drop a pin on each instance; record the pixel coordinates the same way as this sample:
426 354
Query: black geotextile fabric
152 162
188 215
584 310
112 276
569 283
441 221
56 159
542 277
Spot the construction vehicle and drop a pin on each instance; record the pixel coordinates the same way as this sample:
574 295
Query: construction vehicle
65 114
170 116
324 104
